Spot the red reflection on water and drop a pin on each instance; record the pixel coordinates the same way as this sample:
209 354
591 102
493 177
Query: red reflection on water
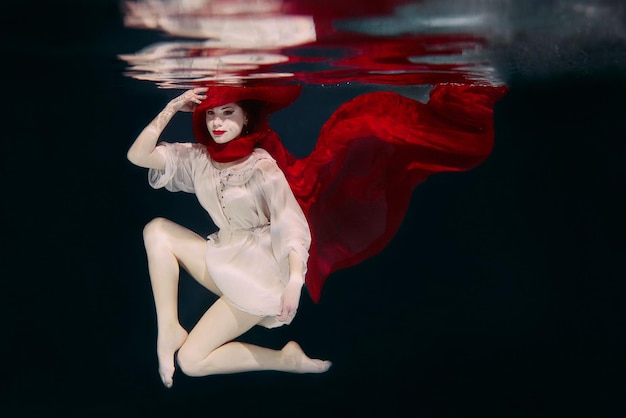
269 41
377 60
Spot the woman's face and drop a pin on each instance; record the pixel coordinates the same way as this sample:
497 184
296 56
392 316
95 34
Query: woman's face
226 122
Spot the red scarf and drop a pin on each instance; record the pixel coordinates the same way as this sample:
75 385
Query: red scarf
235 149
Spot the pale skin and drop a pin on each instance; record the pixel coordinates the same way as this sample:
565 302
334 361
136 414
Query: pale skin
209 347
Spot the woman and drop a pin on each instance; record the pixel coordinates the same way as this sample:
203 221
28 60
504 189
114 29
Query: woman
352 190
255 263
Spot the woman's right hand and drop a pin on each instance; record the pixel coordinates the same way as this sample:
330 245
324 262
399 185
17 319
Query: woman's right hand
188 101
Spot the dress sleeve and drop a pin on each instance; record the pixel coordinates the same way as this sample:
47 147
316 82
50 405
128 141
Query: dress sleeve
180 161
288 226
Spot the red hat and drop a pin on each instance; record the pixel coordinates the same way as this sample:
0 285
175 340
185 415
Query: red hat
273 98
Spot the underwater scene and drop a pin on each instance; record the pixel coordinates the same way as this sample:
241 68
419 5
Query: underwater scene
448 176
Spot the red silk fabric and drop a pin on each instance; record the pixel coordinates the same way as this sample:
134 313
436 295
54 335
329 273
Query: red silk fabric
356 184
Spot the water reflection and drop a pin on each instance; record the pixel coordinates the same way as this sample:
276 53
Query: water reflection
399 42
312 42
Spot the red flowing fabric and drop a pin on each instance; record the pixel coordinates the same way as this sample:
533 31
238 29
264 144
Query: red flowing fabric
356 184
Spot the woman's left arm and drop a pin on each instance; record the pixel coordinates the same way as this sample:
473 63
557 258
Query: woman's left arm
291 237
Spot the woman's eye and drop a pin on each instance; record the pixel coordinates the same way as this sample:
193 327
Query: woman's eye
209 113
228 113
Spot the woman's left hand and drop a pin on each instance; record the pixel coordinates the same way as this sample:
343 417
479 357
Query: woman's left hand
289 301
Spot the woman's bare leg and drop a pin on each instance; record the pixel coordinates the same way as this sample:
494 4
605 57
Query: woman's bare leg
209 348
168 246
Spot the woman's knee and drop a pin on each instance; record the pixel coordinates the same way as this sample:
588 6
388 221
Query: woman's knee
155 230
190 363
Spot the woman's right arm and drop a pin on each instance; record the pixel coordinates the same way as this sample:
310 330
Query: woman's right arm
142 152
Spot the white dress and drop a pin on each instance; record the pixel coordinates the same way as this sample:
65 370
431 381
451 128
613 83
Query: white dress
259 220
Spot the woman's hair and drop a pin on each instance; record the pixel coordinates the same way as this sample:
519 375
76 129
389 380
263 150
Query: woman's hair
252 109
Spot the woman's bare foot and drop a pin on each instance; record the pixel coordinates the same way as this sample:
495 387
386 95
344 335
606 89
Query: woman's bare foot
296 361
170 339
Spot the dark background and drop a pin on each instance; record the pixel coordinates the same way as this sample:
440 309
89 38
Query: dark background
502 294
